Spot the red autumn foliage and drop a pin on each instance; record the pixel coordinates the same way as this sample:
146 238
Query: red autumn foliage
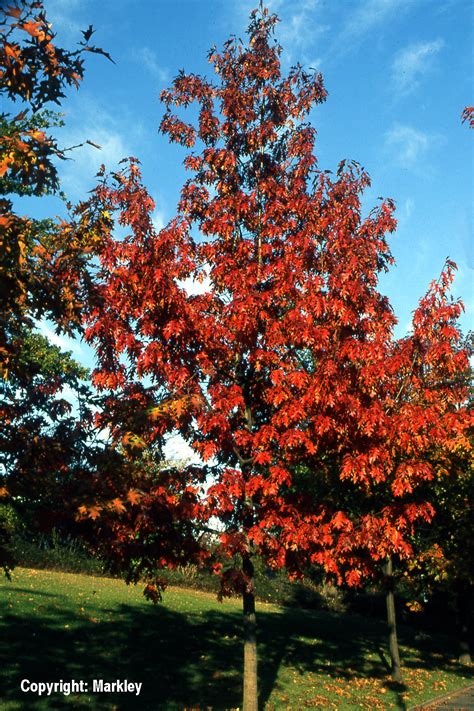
313 424
468 116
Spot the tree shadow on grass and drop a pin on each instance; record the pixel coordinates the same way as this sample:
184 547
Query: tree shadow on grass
190 660
29 591
344 647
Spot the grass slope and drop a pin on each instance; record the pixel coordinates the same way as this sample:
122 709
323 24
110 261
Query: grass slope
187 651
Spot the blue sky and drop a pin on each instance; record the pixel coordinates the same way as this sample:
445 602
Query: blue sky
398 73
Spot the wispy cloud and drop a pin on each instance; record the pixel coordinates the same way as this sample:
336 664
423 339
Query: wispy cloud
405 211
148 59
314 32
408 208
411 63
65 16
300 30
95 124
407 144
364 17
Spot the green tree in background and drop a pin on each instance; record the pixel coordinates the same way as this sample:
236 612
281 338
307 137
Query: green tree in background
42 270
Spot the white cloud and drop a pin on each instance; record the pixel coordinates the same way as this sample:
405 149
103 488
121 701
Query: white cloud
194 287
70 395
408 327
97 125
411 63
63 342
177 449
407 145
158 220
147 58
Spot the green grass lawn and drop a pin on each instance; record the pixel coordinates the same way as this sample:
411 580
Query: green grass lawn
187 650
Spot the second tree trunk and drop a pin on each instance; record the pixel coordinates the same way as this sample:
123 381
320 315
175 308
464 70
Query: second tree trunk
392 622
250 702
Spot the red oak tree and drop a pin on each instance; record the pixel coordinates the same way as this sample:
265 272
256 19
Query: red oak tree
281 369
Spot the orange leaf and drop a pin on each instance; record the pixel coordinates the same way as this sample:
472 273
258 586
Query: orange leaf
9 51
13 11
117 504
31 27
134 496
94 511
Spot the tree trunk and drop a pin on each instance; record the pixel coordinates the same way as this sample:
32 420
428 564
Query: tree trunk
463 605
250 702
392 622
